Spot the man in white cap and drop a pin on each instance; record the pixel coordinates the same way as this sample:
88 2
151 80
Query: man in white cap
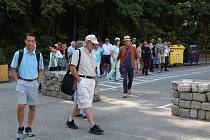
85 78
127 56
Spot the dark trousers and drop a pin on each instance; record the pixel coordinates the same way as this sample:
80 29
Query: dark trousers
127 72
146 66
151 66
166 62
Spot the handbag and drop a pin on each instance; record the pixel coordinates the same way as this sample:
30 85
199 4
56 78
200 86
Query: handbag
69 84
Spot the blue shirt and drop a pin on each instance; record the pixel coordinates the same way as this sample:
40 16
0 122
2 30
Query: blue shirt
28 65
98 54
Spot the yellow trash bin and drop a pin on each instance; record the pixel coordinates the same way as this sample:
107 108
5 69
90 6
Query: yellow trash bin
176 54
4 74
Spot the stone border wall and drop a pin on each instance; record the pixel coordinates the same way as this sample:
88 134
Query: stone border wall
51 84
191 99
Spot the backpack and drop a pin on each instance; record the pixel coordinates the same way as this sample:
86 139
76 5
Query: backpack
21 52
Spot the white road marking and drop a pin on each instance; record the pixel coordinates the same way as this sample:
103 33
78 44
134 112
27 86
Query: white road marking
168 76
167 106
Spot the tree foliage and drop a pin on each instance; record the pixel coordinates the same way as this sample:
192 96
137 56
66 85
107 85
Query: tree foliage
65 20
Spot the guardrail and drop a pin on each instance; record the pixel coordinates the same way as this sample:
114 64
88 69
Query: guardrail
204 57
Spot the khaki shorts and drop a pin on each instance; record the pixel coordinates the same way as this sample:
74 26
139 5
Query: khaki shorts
27 92
85 92
161 59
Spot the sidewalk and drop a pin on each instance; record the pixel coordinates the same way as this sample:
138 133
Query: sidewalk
134 118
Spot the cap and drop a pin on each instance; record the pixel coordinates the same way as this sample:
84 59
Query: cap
117 38
92 38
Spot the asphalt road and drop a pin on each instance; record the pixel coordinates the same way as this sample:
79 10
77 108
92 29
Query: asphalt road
144 115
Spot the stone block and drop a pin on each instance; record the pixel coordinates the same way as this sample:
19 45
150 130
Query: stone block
196 105
184 112
185 96
203 87
208 96
185 87
175 101
193 113
201 114
206 106
175 110
184 104
194 87
199 97
175 94
174 85
208 115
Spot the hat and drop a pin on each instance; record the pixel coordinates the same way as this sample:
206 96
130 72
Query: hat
106 39
117 38
92 38
127 38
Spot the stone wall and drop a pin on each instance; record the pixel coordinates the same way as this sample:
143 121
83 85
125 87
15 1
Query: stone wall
191 99
51 84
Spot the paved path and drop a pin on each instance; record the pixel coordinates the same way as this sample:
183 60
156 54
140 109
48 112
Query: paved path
145 115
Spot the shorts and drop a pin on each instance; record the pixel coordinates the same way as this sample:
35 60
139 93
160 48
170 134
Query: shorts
85 92
106 59
27 92
161 59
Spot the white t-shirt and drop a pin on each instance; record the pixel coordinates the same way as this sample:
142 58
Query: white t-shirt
87 62
166 51
107 49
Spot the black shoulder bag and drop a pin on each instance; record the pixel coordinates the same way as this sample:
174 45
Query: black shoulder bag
69 84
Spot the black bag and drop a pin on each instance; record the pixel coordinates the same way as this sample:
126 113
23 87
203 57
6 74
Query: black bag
69 84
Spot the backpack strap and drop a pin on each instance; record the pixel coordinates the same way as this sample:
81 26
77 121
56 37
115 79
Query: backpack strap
77 68
38 59
20 57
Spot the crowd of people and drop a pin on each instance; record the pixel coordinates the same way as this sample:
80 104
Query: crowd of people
115 61
150 53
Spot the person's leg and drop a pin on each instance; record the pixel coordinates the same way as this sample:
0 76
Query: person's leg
31 115
20 114
111 73
125 85
146 67
130 78
117 71
151 66
21 91
98 69
89 114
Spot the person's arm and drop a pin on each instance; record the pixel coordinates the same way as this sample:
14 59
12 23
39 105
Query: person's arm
41 68
58 54
14 73
14 65
118 57
74 73
74 63
112 54
40 75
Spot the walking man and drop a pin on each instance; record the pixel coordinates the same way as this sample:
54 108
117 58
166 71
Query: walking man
85 78
127 56
27 68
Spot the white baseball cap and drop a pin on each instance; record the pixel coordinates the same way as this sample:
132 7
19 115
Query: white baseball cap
92 38
117 38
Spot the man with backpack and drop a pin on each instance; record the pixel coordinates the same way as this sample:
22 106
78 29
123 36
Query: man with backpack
27 68
85 77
